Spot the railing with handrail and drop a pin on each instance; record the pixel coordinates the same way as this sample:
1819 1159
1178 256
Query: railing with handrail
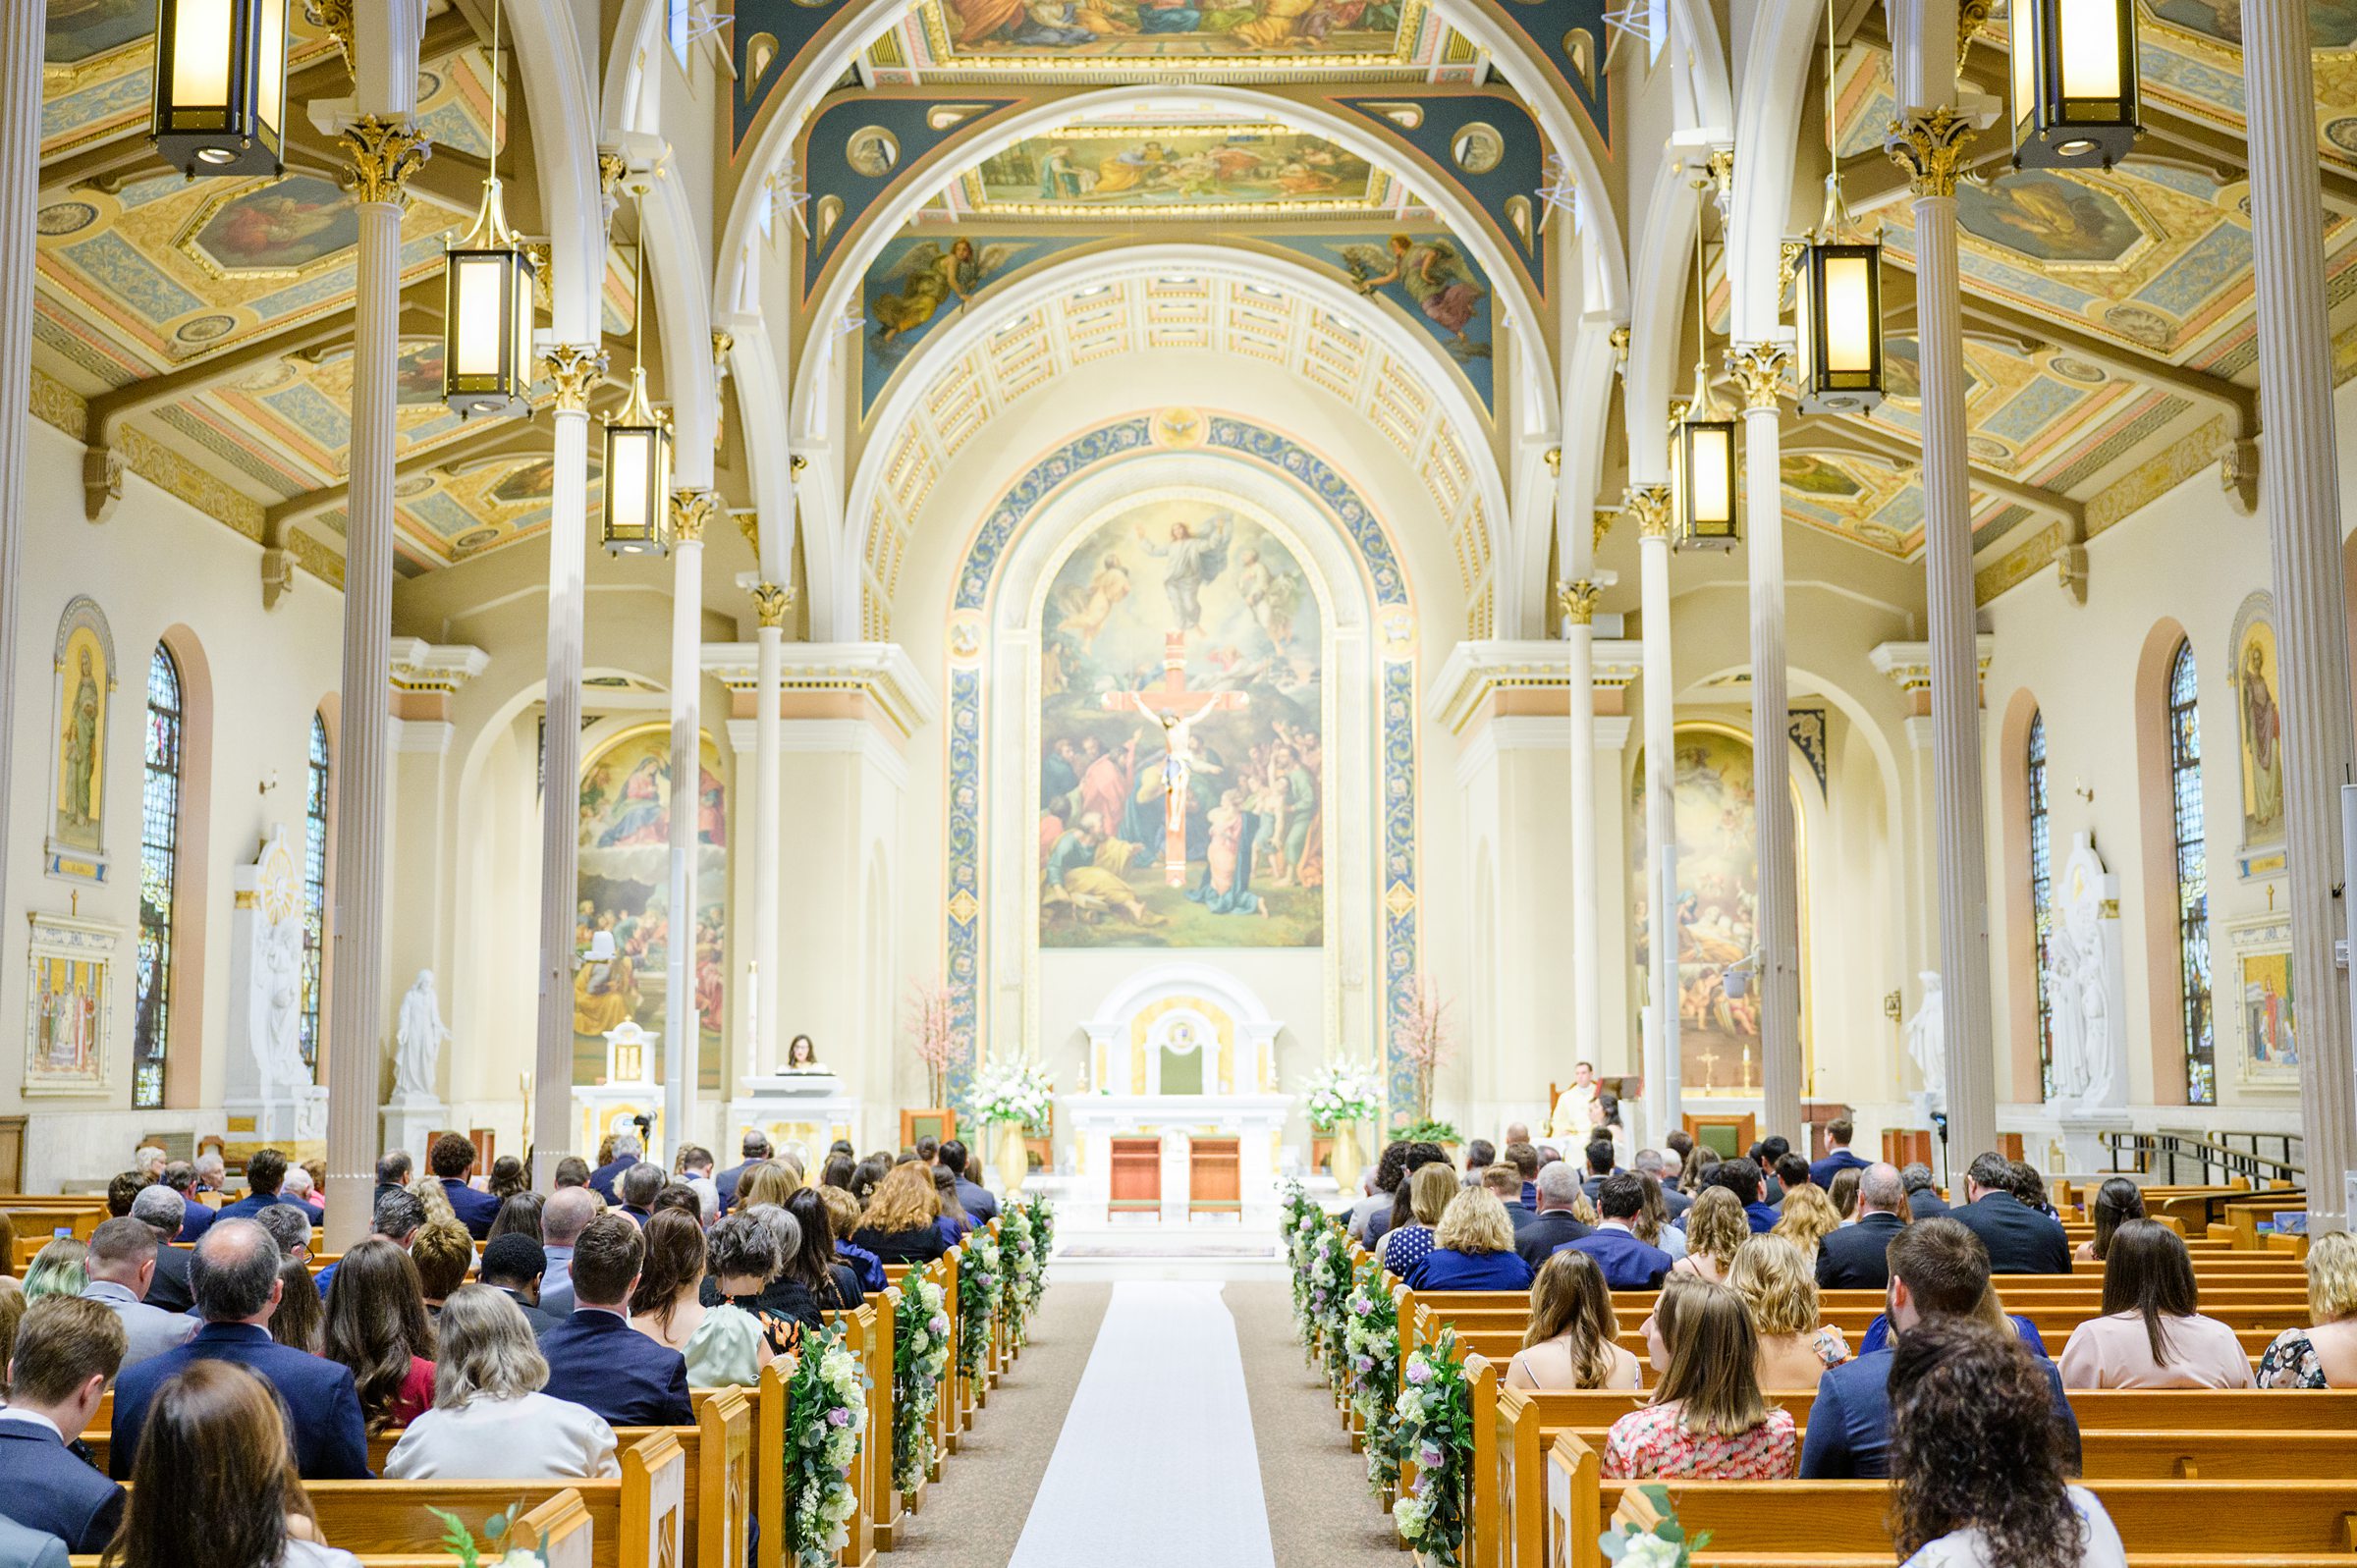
2186 1160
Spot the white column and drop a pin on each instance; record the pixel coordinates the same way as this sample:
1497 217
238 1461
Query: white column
2297 477
1579 600
769 601
1650 506
22 31
576 369
1758 369
1929 144
386 149
683 1033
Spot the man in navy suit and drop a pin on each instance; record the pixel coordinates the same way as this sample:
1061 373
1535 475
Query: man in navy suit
195 1217
161 1209
595 1358
1742 1178
68 1348
1838 1133
1923 1193
2020 1240
452 1158
1600 1165
236 1284
757 1147
1856 1257
1553 1225
1627 1263
265 1172
1936 1266
627 1152
975 1198
639 1187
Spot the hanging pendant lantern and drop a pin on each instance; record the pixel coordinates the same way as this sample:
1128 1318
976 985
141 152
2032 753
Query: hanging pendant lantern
1839 317
1702 457
638 509
2074 82
489 279
220 95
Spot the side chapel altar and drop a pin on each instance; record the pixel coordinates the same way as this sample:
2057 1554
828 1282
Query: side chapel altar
1182 1121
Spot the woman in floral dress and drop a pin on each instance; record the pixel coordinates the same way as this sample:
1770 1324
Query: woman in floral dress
1706 1421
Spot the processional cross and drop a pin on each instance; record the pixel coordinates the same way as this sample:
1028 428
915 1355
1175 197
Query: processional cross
1175 708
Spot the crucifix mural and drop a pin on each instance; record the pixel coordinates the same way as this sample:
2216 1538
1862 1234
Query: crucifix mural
1175 708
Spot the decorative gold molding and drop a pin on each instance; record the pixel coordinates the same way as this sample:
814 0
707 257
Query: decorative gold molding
1678 408
384 154
1758 369
748 523
1577 601
1619 342
690 510
771 602
611 167
1788 265
575 367
1971 17
721 342
1603 525
1721 167
1650 506
796 465
332 18
1929 145
1554 461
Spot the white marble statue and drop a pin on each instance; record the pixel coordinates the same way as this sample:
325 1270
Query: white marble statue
1927 1042
2066 1017
2086 984
418 1040
276 1008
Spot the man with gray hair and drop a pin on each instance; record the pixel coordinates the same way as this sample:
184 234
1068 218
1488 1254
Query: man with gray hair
290 1225
1923 1193
400 1215
563 1218
1553 1225
627 1152
122 1265
1649 1162
638 1187
1856 1257
162 1211
238 1289
757 1147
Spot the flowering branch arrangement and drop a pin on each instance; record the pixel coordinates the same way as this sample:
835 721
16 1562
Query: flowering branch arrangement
920 1350
978 1292
1663 1545
1021 1094
1338 1092
1425 1037
935 1035
826 1412
1371 1340
1434 1429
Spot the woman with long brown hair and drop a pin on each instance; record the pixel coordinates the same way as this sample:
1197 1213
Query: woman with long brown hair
1574 1340
1706 1421
898 1226
1977 1457
214 1482
376 1325
302 1315
2118 1201
2152 1333
722 1344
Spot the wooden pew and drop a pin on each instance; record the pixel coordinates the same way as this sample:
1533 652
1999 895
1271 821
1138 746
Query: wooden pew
561 1531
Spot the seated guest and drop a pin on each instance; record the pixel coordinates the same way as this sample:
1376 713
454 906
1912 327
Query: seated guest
1662 1169
755 1148
1473 1248
1837 1158
122 1265
490 1420
693 1166
1843 1191
519 1215
843 1218
1480 1156
627 1152
833 1284
1716 1226
1979 1465
236 1276
1937 1270
298 1187
125 1185
1627 1262
1706 1421
2030 1188
443 1253
2322 1355
679 1198
1923 1193
212 1175
1574 1340
954 1221
20 1547
744 1258
572 1171
1519 1153
2020 1240
290 1225
507 1178
898 1226
211 1488
1419 1155
161 1209
400 1215
768 1183
595 1358
377 1327
1855 1257
1652 1224
1553 1225
67 1352
452 1161
180 1177
300 1321
722 1344
1742 1178
637 1186
1778 1286
1505 1184
1791 1174
393 1170
1807 1218
2116 1201
513 1265
2152 1333
1406 1246
1390 1169
568 1211
1600 1164
60 1268
266 1175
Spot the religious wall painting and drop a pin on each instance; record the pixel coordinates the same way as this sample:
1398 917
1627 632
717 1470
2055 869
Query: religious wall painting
2265 1018
1236 783
622 924
1431 275
68 1007
919 281
2259 732
85 668
81 30
2331 24
1295 32
1177 170
2050 216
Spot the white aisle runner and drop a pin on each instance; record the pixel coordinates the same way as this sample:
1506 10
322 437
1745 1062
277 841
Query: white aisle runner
1156 1466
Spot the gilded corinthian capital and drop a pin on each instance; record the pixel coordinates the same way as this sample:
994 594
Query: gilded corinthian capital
575 367
384 154
1577 600
771 602
1650 506
1929 145
1758 368
690 510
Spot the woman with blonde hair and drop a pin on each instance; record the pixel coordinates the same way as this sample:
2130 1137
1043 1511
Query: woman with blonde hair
1716 1228
1574 1340
1777 1285
1472 1247
1430 1190
1808 1217
898 1226
490 1421
2322 1355
767 1182
1708 1420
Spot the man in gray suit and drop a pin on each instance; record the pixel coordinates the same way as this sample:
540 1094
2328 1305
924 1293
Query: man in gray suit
122 1265
20 1547
565 1215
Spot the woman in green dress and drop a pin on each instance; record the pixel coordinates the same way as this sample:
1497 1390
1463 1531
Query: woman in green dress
724 1344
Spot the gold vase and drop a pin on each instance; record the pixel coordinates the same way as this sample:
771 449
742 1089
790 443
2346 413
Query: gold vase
1015 1158
1346 1160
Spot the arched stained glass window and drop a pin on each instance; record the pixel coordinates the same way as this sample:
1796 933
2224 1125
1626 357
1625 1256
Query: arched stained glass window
159 866
2041 914
315 888
2193 878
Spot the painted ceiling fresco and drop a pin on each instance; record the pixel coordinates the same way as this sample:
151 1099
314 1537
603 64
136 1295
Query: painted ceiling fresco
946 39
1176 170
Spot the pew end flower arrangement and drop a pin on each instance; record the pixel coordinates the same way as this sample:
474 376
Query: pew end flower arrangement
460 1543
1329 1299
980 1290
825 1414
1024 1265
1371 1339
920 1350
1302 1218
1653 1538
1434 1429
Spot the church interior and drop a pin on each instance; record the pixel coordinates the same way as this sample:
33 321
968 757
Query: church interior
1246 585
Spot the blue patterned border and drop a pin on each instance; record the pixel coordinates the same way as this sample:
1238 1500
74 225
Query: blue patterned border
1395 890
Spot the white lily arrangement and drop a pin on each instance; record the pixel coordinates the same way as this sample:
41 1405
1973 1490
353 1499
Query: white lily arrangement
1014 1093
1338 1092
827 1402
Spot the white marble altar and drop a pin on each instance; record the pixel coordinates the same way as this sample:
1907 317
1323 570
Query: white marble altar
801 1113
624 1094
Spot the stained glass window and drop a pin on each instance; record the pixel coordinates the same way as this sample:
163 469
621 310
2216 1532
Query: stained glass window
160 864
2041 914
2193 879
315 889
